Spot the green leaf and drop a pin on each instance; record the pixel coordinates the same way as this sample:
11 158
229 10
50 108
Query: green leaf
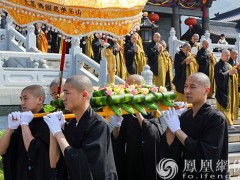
48 108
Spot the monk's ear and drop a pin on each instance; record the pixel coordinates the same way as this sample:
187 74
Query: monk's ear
40 100
85 94
208 89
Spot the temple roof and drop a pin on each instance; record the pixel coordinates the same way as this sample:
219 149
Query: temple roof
230 29
233 15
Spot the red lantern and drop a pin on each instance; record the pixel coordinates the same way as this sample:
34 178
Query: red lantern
204 1
153 17
190 22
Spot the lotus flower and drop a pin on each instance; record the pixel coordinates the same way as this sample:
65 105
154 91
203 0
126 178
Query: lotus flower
162 89
109 92
144 91
134 91
154 89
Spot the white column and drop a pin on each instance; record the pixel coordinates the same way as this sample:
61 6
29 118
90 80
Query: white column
171 40
238 45
74 50
30 38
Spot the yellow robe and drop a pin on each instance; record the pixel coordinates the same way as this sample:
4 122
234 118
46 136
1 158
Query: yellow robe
211 75
121 66
169 64
42 42
190 69
231 112
139 60
111 65
139 42
164 66
88 48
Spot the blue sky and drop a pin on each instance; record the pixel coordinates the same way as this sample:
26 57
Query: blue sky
222 6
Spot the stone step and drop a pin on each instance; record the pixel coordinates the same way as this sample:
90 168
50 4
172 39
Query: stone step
236 130
235 178
236 122
234 157
234 147
234 137
234 170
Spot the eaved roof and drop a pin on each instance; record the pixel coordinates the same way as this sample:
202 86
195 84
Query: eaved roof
233 15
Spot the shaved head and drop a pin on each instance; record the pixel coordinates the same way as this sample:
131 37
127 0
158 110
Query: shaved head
81 83
201 78
225 55
135 79
56 82
195 36
225 51
186 45
156 37
205 44
163 43
234 55
234 52
35 90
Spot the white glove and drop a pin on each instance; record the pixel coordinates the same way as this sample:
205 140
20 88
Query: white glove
183 108
172 120
53 123
60 117
117 121
26 118
14 120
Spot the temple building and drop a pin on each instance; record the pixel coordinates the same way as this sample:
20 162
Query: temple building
171 11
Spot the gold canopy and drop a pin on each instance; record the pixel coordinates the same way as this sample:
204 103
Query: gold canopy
78 17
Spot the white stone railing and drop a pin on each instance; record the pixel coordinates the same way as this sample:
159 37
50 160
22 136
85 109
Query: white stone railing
174 44
31 59
15 41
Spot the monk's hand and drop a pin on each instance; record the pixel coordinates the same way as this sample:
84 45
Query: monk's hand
26 118
238 66
53 123
14 120
172 120
135 49
232 71
188 60
183 107
60 116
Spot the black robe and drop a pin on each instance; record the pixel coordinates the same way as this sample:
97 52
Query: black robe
136 150
180 71
152 55
89 156
207 140
203 61
34 164
221 77
129 56
192 44
231 62
97 47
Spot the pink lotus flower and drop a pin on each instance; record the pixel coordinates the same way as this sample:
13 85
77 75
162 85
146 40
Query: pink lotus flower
109 92
144 91
134 91
154 89
131 87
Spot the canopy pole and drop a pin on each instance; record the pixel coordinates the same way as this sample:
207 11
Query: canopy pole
64 47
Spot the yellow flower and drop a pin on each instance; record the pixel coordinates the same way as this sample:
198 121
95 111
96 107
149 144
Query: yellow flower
162 89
